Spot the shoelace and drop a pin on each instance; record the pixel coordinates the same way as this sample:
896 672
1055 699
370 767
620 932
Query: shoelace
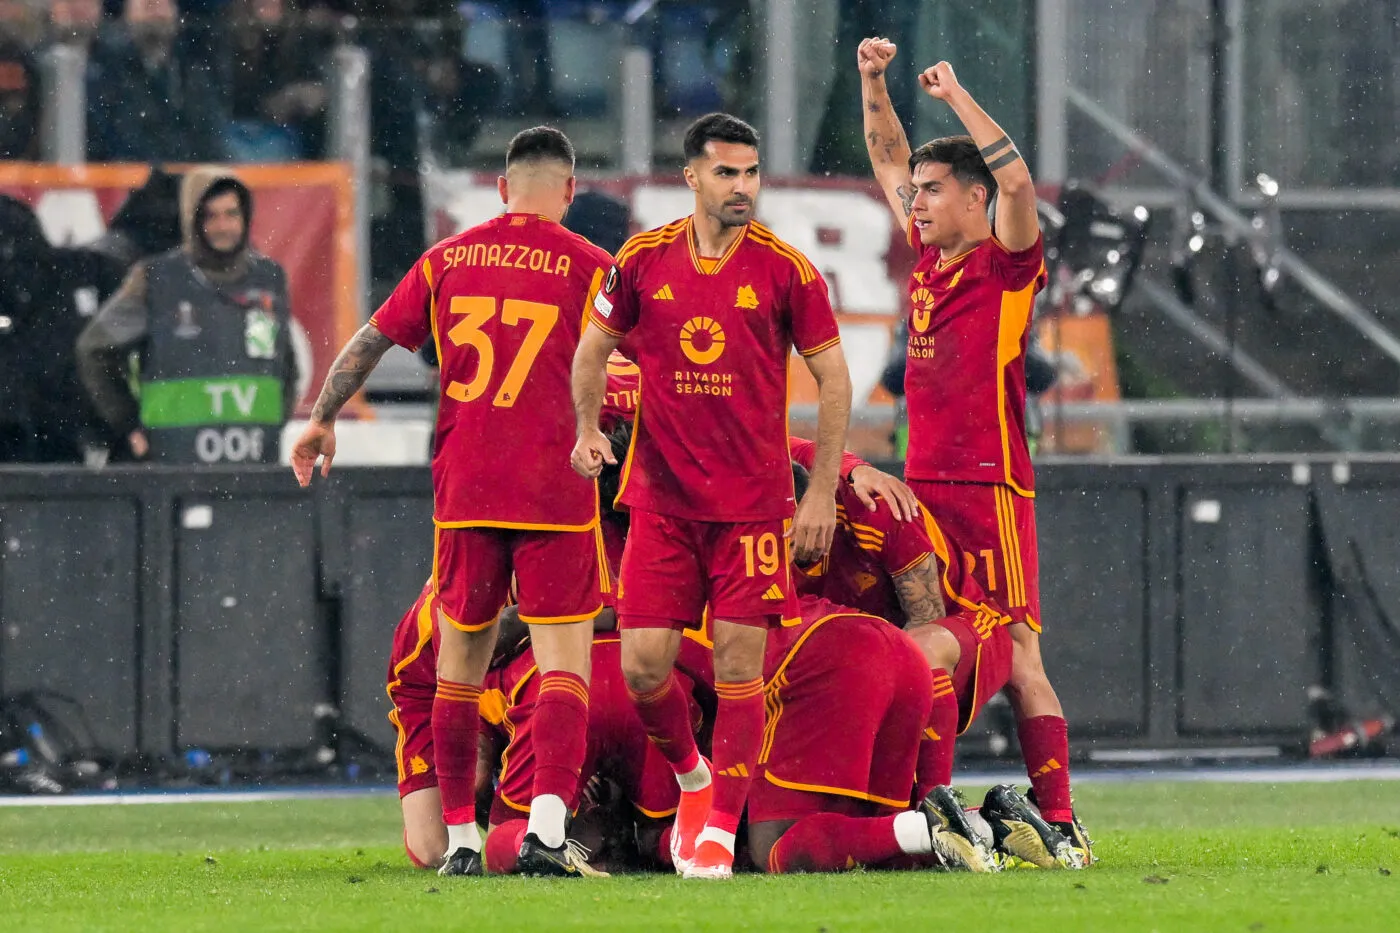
578 856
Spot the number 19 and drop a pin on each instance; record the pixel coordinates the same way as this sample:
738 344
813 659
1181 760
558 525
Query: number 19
767 549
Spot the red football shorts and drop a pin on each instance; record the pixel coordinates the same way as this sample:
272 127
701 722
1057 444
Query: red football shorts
560 575
411 685
985 664
618 747
672 567
995 530
844 721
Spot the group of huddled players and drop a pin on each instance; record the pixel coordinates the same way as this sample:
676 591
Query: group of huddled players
658 627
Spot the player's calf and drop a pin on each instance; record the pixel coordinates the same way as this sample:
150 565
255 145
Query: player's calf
424 834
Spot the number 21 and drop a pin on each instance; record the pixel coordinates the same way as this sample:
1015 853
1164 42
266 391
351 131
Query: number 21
476 312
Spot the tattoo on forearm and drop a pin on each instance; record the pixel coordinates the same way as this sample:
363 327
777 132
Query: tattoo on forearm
906 198
349 371
1004 161
920 595
873 107
988 151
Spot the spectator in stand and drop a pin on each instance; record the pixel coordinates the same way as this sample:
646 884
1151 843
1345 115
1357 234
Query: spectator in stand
20 29
148 101
147 223
277 88
47 294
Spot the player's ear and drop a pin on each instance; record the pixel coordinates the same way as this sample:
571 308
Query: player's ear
570 189
503 187
691 180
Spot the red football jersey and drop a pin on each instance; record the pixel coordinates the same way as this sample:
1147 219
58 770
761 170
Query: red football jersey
413 658
784 642
505 301
969 320
624 389
871 548
713 342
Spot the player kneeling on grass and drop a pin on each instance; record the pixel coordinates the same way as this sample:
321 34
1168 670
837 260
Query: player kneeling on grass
848 696
890 558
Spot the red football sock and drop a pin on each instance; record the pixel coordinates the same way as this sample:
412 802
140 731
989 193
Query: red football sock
833 842
738 737
936 745
665 715
503 847
455 723
1045 747
560 735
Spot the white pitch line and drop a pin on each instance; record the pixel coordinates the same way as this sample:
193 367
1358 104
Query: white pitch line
206 796
1298 774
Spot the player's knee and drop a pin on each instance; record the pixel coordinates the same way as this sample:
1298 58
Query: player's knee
739 656
643 674
939 646
425 845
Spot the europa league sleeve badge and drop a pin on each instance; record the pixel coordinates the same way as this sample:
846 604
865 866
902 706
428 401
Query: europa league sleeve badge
260 334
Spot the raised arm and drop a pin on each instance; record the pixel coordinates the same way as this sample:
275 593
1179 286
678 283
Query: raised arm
885 141
1017 224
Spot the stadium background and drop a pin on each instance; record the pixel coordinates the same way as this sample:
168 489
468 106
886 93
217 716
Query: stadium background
1220 193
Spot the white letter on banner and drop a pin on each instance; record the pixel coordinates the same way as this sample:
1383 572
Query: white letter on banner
854 266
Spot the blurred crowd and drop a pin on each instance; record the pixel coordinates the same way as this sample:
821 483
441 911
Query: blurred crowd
252 80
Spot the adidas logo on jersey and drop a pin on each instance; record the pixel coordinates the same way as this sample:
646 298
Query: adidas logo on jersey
773 593
738 771
664 294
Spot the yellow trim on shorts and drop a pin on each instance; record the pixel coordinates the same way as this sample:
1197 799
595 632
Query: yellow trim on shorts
836 791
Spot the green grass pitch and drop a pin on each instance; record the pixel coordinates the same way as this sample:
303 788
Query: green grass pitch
1175 856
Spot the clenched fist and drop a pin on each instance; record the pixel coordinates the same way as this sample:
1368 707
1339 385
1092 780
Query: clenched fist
939 82
874 56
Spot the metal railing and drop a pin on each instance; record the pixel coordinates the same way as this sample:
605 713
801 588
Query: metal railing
1285 260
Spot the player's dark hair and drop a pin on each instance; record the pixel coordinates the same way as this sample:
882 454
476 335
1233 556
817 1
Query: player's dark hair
801 479
717 128
538 144
609 481
961 156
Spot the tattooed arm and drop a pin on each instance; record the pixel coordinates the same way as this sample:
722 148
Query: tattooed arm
348 374
884 136
920 593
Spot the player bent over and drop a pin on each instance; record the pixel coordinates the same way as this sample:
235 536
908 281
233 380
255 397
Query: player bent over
847 699
504 303
711 305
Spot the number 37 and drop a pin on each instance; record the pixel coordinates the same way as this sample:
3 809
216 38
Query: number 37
476 312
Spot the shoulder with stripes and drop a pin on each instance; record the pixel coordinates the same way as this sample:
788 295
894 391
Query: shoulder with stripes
651 239
766 237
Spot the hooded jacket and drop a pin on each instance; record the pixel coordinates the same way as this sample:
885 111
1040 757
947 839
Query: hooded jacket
122 324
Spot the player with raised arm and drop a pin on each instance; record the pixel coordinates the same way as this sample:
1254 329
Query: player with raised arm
504 302
712 305
970 298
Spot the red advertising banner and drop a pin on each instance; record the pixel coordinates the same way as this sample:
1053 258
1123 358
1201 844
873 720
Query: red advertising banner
303 217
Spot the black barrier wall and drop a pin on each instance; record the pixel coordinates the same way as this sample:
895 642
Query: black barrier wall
1185 602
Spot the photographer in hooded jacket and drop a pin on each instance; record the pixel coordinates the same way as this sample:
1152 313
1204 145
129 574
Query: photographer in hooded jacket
209 325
